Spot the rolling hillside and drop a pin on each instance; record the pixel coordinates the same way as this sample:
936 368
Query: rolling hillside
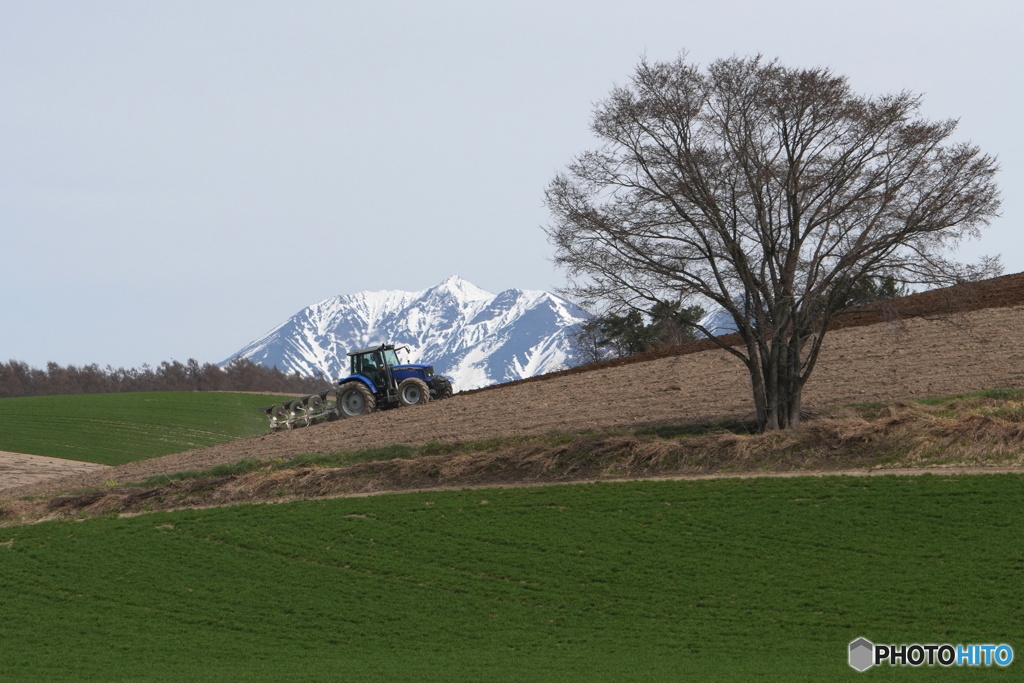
605 581
942 351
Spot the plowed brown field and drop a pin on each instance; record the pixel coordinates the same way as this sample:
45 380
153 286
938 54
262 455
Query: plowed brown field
937 343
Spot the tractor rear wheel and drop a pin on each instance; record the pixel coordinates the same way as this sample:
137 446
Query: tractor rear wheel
413 391
355 399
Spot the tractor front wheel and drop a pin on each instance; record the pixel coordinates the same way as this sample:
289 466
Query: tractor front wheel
355 399
442 387
413 391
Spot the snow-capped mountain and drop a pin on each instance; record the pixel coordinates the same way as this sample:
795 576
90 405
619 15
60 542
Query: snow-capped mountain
718 322
473 337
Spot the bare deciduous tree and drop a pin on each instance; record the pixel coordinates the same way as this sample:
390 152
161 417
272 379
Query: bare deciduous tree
771 192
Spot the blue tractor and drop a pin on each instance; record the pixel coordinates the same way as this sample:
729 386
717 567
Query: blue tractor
376 381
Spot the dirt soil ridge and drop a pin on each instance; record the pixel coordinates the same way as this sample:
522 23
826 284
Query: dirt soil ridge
985 435
932 344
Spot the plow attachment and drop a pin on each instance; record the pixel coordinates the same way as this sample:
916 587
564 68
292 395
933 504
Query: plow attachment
302 412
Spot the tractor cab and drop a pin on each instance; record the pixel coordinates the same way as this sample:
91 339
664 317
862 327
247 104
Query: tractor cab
375 364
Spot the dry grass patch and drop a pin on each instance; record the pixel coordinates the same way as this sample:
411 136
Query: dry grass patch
981 430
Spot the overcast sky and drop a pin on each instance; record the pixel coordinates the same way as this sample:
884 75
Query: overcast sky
177 178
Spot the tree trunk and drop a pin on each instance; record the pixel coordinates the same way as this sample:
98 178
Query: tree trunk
777 385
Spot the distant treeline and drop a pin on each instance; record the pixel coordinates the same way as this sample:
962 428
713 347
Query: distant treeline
18 379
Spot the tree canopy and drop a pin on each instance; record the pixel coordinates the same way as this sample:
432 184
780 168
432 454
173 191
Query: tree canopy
777 194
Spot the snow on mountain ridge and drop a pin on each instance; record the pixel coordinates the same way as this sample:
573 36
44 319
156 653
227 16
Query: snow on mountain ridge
474 337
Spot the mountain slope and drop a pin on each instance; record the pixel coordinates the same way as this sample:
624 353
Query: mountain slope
474 337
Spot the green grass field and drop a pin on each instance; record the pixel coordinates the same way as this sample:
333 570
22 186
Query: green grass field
758 579
111 429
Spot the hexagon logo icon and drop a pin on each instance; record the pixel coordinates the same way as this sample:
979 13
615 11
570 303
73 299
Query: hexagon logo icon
862 654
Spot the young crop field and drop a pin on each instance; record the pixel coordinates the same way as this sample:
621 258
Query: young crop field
733 579
111 429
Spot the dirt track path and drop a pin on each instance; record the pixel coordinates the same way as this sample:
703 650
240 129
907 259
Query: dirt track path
21 469
881 362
